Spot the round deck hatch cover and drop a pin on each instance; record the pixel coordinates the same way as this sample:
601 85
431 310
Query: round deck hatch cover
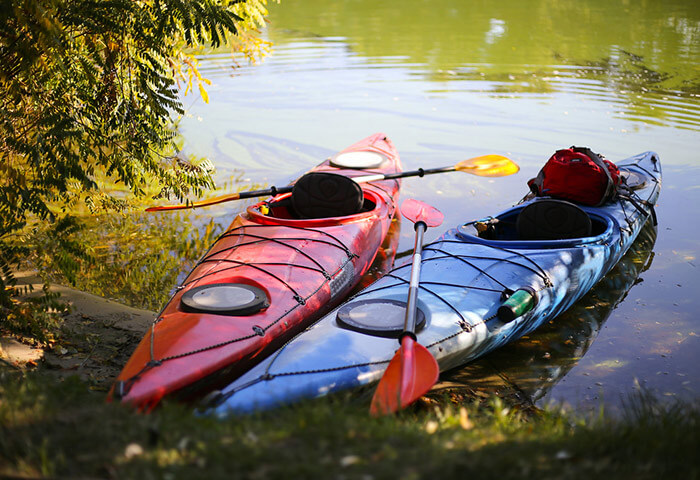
379 317
358 160
225 299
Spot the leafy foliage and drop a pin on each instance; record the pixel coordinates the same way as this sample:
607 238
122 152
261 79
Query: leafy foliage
88 91
134 258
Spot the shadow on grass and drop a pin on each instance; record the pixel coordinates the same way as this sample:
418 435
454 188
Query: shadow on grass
62 429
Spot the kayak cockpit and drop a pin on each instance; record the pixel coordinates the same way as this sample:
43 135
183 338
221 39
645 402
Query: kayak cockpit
283 208
282 211
542 223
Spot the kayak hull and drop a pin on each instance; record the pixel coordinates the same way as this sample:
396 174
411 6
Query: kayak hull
294 270
463 282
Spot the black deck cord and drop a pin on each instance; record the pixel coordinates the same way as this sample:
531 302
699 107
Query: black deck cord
261 239
212 260
234 231
298 297
481 271
536 270
464 324
212 272
209 258
547 281
261 329
268 264
540 273
269 376
627 194
634 194
467 262
256 266
125 386
640 209
422 287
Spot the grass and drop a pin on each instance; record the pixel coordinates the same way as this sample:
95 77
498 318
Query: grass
63 429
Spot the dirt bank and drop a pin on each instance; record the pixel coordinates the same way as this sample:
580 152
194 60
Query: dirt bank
97 337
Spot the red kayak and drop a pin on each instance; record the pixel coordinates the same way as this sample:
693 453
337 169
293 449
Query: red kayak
282 264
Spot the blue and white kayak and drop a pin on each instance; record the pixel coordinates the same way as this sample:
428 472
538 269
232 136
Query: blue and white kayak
483 284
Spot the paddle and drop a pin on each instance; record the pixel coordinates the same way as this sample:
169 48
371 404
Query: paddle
413 370
483 166
222 199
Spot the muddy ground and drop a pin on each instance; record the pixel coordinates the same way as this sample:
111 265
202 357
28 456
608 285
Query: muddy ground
97 337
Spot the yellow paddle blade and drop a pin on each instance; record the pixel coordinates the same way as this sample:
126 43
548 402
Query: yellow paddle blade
488 166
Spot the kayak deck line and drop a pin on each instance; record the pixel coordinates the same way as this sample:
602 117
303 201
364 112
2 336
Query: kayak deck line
464 324
259 331
124 385
209 257
240 232
284 268
459 265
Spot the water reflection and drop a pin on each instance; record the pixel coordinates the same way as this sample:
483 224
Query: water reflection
385 258
642 60
528 369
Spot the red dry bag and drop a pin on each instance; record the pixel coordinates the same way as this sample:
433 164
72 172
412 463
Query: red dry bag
579 175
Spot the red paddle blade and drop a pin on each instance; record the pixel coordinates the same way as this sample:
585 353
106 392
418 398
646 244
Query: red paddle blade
417 211
410 374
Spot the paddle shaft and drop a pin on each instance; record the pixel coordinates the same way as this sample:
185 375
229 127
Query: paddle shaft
409 325
485 166
277 190
268 191
413 173
224 198
361 179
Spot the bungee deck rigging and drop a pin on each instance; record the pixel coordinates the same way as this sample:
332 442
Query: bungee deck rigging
464 281
282 241
284 271
461 320
257 330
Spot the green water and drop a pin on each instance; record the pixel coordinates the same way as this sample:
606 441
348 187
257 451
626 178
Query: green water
447 80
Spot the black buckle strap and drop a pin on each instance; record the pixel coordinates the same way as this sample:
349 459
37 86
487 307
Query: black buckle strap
598 160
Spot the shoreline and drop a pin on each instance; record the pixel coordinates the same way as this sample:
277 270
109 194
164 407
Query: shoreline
97 336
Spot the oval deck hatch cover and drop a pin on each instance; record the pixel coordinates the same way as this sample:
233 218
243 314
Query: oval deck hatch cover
225 299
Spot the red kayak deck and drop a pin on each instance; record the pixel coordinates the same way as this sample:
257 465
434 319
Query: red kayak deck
293 270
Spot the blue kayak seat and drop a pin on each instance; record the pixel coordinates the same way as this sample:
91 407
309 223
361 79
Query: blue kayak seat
551 219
